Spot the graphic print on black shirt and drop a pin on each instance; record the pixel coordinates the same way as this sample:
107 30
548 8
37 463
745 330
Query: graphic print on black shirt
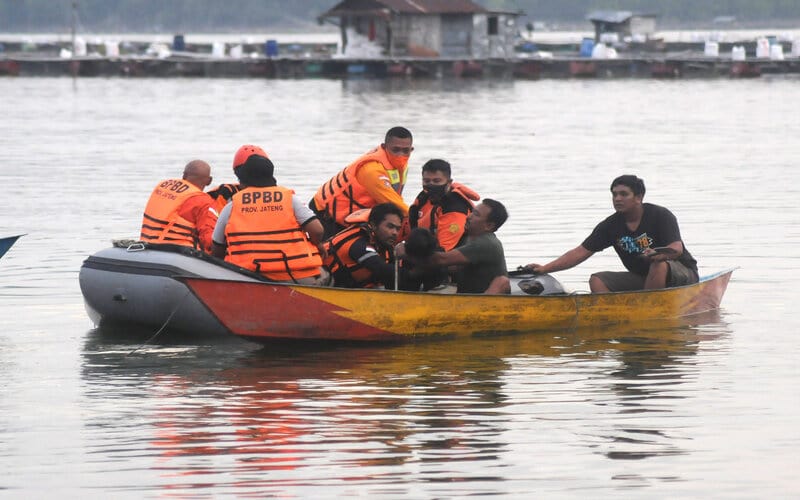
635 245
658 227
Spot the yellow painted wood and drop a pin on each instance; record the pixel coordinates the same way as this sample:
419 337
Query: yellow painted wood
415 314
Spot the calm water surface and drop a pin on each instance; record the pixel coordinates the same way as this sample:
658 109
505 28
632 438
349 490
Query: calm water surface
708 409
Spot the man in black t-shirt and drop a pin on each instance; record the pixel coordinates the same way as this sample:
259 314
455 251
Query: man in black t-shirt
645 236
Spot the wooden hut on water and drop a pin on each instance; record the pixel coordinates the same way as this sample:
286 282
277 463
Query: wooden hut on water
623 23
446 29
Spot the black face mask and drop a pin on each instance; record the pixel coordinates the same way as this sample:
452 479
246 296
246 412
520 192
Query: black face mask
435 191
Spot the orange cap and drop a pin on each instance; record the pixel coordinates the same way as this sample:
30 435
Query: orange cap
246 152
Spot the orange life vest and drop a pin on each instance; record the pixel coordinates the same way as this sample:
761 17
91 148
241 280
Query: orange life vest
426 215
263 235
338 258
343 194
223 194
161 222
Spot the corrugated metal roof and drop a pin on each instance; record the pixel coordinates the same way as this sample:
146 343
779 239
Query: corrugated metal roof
614 16
409 6
433 6
610 16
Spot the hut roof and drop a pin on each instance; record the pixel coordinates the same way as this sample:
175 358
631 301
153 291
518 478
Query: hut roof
404 7
614 16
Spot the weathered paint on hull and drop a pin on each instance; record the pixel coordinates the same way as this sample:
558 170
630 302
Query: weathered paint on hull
264 311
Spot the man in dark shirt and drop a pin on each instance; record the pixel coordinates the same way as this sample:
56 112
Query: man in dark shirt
646 238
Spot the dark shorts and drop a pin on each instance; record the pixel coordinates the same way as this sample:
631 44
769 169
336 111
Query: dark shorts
678 275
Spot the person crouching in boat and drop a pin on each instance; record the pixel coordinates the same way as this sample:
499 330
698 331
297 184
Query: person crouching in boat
266 229
480 262
377 176
362 255
179 212
442 207
646 238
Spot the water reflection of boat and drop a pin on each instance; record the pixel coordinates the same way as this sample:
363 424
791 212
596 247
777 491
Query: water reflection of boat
365 413
7 242
314 313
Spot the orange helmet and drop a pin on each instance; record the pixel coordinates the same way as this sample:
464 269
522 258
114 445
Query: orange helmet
246 152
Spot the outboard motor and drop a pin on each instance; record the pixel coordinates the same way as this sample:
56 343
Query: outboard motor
541 284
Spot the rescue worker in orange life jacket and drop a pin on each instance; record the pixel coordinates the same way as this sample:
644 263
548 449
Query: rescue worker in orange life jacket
376 177
362 255
223 193
266 229
179 212
442 207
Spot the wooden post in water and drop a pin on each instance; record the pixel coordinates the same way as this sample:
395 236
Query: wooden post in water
74 65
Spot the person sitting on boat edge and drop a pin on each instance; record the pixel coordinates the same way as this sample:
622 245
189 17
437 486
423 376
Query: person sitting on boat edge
178 212
480 261
647 240
443 205
362 255
377 176
266 229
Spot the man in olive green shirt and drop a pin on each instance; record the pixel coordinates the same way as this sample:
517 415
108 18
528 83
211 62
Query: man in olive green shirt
481 262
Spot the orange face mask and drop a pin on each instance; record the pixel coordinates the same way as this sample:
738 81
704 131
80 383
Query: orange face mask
398 162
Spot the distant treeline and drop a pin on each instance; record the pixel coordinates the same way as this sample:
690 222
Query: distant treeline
157 16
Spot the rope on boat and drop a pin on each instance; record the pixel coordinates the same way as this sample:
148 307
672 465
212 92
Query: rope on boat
177 306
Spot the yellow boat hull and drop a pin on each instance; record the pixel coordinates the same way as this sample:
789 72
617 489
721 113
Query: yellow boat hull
262 311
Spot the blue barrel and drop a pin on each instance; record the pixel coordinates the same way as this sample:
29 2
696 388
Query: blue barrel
271 48
587 46
178 43
356 69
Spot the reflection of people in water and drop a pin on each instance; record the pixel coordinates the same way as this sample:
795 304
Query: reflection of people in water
228 412
375 406
283 408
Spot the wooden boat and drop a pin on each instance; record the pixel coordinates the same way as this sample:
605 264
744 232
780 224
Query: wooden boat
133 283
262 311
7 242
